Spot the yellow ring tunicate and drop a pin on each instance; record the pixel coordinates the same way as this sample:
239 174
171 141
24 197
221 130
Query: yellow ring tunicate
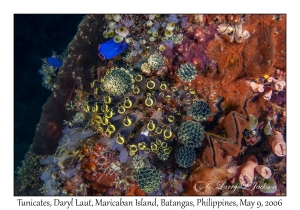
168 133
104 121
111 128
96 91
104 108
86 108
93 84
120 139
153 146
136 90
164 145
150 84
121 109
174 89
149 102
109 113
158 142
192 91
97 119
150 126
163 86
142 145
133 148
138 77
171 118
102 87
127 121
167 150
127 103
95 107
107 99
158 130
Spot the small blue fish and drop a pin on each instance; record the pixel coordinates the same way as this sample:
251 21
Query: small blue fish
54 62
110 49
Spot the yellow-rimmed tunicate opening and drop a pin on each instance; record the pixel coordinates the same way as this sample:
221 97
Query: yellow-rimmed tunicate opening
149 101
132 149
104 121
151 126
95 108
170 118
127 103
168 97
164 145
86 107
142 145
136 90
127 121
104 108
147 150
167 150
96 91
96 119
153 146
174 89
192 91
138 77
110 129
158 130
185 87
150 84
167 133
163 86
107 99
109 114
93 84
102 87
188 102
158 142
120 139
121 109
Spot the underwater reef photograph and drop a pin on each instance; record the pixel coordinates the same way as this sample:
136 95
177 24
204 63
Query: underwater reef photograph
151 105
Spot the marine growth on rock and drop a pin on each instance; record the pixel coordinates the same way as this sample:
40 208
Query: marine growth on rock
190 102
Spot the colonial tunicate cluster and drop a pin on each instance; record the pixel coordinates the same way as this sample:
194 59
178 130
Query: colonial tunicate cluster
148 179
187 72
117 82
155 61
185 156
191 133
199 111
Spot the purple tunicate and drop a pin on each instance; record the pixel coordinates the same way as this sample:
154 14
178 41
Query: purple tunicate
172 18
113 144
169 44
127 23
164 24
48 160
123 155
45 175
142 153
156 26
184 23
68 173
